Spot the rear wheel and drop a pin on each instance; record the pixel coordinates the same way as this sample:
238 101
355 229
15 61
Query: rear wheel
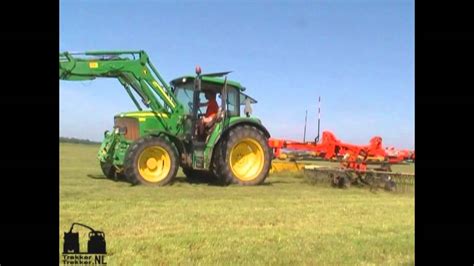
151 161
243 157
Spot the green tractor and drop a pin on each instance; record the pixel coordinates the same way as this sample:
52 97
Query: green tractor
148 146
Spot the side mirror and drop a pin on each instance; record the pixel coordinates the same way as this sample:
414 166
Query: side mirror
248 107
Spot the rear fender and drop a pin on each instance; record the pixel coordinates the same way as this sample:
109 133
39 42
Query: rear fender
242 122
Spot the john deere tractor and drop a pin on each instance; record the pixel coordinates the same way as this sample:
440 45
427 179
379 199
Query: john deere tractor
147 146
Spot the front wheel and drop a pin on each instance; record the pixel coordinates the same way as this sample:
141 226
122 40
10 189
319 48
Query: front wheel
108 169
243 156
151 161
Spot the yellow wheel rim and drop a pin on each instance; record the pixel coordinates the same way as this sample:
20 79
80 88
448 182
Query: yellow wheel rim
154 164
247 159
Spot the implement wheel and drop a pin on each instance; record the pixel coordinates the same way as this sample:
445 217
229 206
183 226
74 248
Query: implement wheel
151 161
390 185
243 157
341 181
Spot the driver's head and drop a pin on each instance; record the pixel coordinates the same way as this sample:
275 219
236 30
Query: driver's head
210 95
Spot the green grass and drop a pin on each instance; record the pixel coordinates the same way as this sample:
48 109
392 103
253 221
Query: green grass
286 221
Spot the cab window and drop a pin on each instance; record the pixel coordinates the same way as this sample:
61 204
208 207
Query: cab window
233 106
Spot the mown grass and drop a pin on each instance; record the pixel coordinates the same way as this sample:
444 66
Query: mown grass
286 221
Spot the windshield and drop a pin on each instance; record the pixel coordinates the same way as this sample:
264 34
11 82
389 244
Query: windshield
184 94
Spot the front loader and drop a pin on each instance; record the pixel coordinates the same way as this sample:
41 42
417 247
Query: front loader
148 146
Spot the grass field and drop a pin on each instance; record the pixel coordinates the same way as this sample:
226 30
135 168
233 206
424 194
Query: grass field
286 221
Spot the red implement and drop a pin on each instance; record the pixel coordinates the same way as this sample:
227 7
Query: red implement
353 156
399 155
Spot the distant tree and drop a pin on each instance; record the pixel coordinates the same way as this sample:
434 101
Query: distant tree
77 141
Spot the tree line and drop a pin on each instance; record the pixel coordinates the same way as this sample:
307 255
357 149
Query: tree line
77 141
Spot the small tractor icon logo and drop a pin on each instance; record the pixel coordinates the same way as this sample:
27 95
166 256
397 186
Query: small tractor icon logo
95 245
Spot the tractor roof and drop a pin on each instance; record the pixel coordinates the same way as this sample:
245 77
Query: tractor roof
212 80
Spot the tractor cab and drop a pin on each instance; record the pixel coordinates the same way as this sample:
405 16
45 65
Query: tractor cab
191 92
184 88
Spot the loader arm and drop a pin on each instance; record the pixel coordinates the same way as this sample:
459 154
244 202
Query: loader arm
133 69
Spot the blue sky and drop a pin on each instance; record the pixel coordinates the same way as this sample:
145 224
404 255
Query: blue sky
357 55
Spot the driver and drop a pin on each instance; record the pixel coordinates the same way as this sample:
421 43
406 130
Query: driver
211 111
212 106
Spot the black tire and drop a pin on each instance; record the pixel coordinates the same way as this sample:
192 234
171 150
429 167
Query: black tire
108 170
221 158
344 182
131 163
390 185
